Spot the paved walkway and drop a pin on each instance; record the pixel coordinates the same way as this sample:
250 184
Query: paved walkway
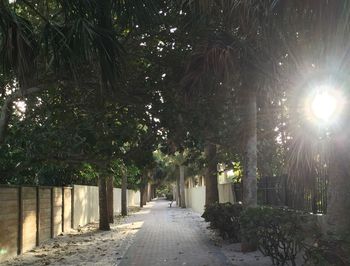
170 236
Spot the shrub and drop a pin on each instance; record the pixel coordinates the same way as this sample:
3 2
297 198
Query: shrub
327 251
279 233
225 218
169 196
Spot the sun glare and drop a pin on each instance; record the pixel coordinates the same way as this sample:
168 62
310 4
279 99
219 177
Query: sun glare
324 105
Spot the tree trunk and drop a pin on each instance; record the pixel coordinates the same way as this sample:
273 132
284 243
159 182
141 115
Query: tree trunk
124 192
250 198
182 186
144 198
103 203
338 198
250 167
211 179
142 191
110 199
178 199
149 192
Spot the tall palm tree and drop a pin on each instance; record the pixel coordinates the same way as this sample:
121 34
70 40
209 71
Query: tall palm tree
238 59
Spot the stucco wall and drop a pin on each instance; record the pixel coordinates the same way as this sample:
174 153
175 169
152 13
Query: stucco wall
85 205
86 200
225 193
117 195
195 198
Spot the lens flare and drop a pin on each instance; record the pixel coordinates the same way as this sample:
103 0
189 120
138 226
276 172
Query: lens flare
324 105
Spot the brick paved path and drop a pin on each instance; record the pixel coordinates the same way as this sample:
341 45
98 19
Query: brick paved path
170 236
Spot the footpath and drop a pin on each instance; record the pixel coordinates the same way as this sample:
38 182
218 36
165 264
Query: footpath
171 236
153 236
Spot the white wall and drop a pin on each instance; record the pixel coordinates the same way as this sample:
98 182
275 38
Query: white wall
85 205
117 195
86 201
225 193
195 198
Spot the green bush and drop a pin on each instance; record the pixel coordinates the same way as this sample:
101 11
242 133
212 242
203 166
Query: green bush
169 196
279 233
326 251
225 218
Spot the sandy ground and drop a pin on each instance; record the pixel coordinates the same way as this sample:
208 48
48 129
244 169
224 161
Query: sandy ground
89 246
231 250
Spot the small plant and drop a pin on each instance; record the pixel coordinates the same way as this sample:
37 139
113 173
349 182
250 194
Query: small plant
225 218
279 233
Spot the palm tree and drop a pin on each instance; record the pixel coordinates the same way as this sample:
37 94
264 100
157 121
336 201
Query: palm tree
235 54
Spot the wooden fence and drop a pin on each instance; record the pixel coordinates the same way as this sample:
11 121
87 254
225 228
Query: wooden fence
31 215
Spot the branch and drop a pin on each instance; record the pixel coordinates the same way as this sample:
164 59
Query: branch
6 110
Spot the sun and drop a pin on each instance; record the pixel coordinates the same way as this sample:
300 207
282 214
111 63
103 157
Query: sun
324 105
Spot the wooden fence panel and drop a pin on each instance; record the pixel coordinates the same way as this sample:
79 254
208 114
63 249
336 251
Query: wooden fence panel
45 214
8 222
57 211
29 218
67 215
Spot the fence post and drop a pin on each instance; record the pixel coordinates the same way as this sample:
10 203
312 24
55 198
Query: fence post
62 223
52 211
20 221
37 216
72 207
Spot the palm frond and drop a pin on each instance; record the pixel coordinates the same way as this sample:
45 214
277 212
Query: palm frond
18 47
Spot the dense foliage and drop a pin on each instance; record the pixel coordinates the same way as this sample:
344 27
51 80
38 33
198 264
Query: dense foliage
279 233
225 218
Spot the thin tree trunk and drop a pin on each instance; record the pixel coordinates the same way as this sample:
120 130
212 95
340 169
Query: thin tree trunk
110 199
149 192
178 199
250 177
211 179
144 198
174 192
124 192
141 196
103 204
182 186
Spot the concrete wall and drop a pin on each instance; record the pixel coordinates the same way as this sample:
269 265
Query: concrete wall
117 196
225 193
85 205
132 198
195 198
